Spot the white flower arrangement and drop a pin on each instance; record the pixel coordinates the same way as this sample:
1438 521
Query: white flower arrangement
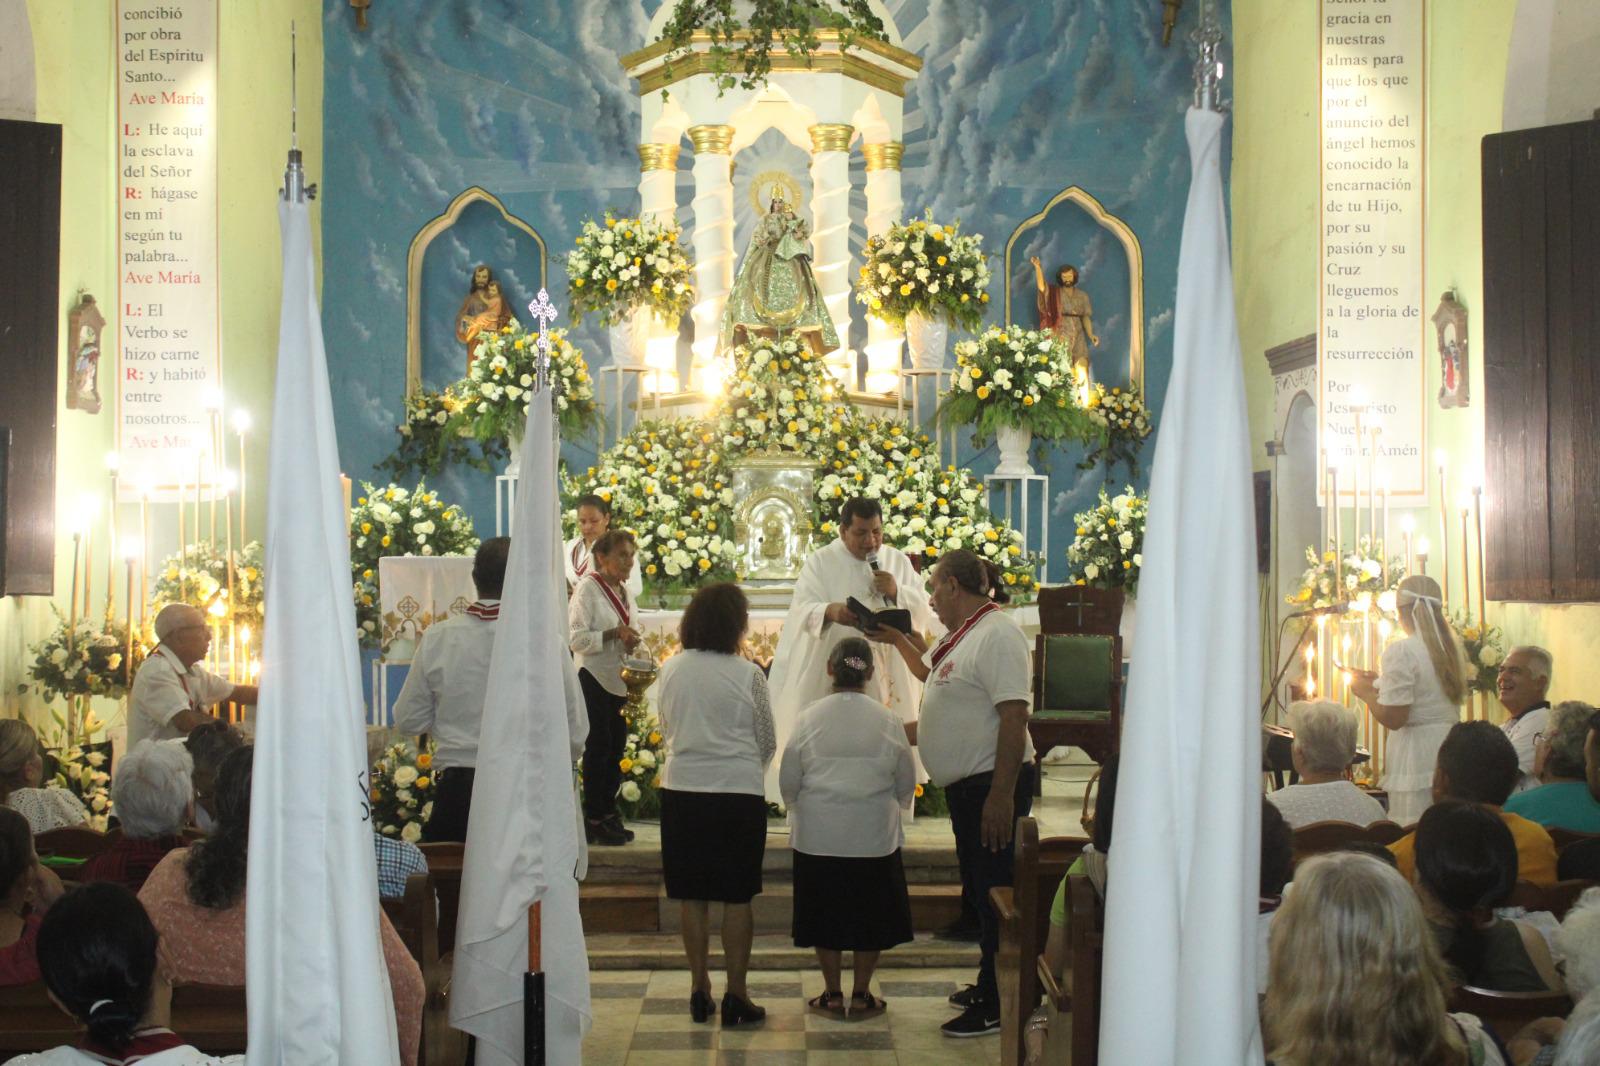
395 520
496 392
199 576
924 267
1108 549
625 264
1361 571
402 790
1120 421
1013 377
641 762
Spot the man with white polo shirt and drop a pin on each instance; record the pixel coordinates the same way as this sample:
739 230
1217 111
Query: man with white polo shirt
1524 689
171 694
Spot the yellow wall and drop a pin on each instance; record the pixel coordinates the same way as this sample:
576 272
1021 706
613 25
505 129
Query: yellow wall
76 63
1275 243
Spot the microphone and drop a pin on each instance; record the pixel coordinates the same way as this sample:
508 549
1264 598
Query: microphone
1314 612
872 560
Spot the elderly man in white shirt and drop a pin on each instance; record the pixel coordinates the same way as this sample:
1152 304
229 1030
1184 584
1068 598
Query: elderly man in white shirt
1524 689
171 694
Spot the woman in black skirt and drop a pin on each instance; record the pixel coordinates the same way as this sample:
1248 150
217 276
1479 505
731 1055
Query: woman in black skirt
716 725
847 773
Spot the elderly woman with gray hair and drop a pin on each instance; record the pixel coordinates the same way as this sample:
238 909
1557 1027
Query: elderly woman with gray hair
1561 799
153 795
1324 747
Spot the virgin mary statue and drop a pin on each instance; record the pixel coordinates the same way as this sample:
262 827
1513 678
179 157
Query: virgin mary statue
776 292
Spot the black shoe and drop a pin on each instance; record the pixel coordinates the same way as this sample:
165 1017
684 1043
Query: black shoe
613 821
736 1011
961 929
701 1006
598 832
964 998
980 1019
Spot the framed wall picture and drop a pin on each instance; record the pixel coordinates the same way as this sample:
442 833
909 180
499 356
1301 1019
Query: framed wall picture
1450 320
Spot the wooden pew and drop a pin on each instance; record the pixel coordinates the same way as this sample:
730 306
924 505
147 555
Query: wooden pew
1507 1012
1566 837
30 1022
211 1017
415 918
1557 898
1086 922
444 863
1318 837
1023 911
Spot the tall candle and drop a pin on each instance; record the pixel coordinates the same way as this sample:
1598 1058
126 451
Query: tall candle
1477 521
183 542
1422 556
1359 409
199 465
72 607
1466 583
1408 526
241 425
1338 545
1383 531
1444 524
111 536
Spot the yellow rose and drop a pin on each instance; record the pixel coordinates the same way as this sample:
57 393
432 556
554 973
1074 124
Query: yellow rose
423 782
905 290
983 392
705 564
424 761
1027 401
919 791
1011 579
385 541
611 284
366 527
976 372
650 569
655 737
625 765
942 260
963 297
983 297
577 283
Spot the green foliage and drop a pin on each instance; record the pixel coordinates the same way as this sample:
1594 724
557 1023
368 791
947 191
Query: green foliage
741 48
922 267
1014 377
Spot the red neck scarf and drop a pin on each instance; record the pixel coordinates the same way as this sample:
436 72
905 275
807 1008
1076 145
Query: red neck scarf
948 642
486 612
618 603
580 558
145 1043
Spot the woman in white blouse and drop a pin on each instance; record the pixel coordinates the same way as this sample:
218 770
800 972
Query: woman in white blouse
601 632
716 727
594 521
1417 693
1324 747
847 773
22 770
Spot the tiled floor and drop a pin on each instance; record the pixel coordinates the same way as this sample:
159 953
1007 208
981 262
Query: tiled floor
642 1017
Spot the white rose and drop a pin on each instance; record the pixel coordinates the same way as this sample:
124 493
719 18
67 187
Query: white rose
425 527
1490 655
405 777
1125 539
58 656
630 792
1091 571
412 832
646 758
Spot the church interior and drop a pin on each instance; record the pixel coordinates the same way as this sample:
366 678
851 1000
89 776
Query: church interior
1235 347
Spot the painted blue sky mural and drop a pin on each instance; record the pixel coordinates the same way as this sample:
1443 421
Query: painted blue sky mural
526 99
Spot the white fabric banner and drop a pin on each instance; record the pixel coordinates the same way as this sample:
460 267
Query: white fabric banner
168 317
317 987
1180 943
522 836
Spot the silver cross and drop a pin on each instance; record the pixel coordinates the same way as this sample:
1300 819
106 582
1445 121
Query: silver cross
544 312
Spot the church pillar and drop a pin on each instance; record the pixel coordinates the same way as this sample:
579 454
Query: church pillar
713 246
658 199
884 208
830 235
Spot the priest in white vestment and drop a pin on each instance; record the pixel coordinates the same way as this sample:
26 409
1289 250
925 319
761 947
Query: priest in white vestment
857 564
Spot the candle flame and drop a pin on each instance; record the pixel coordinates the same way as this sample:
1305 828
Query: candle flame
1408 523
1422 547
132 549
113 462
1441 458
241 421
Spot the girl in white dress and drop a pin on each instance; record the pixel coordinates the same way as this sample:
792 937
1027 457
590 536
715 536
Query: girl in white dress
1417 694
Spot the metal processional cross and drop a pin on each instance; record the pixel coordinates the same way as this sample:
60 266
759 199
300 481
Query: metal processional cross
545 313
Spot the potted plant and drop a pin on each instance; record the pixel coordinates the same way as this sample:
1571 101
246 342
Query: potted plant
1013 384
924 277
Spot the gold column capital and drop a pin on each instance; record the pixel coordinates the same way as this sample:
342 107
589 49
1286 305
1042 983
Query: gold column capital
717 139
658 157
884 155
831 136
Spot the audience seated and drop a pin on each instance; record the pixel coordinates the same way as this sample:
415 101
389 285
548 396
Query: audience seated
97 952
1577 943
26 891
1562 797
1277 866
1324 747
153 795
1355 979
208 744
1582 860
1466 867
195 897
1091 864
1477 764
22 770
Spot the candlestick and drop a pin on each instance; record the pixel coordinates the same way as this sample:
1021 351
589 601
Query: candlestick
183 542
241 425
1322 648
1408 525
72 608
199 466
1466 569
1477 521
1373 432
112 463
1358 408
228 482
132 549
144 549
1439 458
1422 556
87 507
1338 545
1310 685
1383 541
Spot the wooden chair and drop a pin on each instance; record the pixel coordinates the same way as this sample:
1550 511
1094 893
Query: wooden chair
444 863
1080 609
1077 695
1507 1012
1319 837
30 1022
73 842
1557 898
415 917
1566 837
1058 1023
1023 911
1086 925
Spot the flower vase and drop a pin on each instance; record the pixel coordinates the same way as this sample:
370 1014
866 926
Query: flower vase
929 340
628 337
1014 442
514 443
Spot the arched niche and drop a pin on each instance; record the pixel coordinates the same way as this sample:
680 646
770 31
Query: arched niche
1093 279
415 256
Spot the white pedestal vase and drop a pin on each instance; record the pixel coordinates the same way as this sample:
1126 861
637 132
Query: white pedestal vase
1125 627
629 339
1014 444
928 339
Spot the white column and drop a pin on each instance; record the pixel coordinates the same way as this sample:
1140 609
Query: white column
658 199
830 235
713 247
884 208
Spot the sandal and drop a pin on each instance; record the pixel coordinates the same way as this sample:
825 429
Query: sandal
828 1004
866 1005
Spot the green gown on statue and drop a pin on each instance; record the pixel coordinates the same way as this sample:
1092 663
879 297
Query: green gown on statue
776 292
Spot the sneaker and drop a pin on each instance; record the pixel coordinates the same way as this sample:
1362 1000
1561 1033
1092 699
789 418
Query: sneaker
964 998
613 822
980 1019
598 832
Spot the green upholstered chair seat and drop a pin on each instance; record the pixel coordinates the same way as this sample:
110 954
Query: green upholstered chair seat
1077 677
1057 714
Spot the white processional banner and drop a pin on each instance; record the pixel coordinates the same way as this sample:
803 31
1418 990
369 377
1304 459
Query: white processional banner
1371 334
168 319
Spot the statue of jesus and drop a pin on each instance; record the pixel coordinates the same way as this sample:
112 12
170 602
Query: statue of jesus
776 292
1065 310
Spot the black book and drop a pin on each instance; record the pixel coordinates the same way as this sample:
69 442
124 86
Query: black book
892 617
